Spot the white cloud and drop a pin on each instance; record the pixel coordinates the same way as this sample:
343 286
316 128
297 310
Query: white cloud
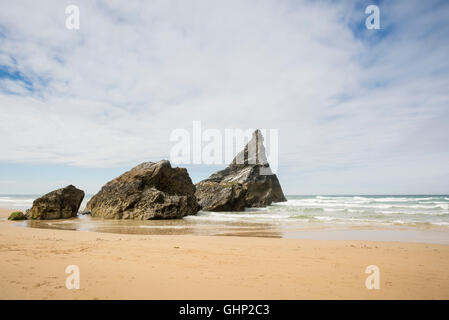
110 93
13 87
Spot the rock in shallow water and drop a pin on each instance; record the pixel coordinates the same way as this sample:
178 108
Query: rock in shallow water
17 215
148 191
246 183
59 204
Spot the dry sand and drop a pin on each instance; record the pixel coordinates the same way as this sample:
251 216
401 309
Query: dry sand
117 266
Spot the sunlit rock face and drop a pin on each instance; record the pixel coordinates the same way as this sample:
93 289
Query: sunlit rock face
148 191
59 204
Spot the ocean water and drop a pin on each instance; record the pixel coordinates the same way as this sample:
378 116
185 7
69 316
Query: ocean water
423 218
25 201
425 210
19 202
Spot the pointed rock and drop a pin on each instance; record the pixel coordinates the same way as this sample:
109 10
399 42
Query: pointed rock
149 191
246 183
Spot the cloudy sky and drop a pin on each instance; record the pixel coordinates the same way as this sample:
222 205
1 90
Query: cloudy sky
358 111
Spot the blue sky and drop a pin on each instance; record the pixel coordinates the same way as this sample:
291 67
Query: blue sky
358 111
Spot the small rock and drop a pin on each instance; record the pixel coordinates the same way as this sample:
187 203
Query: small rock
17 215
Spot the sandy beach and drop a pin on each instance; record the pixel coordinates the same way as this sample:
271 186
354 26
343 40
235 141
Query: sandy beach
118 266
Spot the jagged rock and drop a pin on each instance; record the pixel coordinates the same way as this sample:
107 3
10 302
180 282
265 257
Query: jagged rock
59 204
247 182
17 215
148 191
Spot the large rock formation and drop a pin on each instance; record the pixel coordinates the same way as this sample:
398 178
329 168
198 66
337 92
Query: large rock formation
148 191
247 182
59 204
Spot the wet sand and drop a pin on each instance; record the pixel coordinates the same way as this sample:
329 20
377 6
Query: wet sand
249 228
127 266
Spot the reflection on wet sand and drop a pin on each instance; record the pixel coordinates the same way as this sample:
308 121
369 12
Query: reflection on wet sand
242 228
160 227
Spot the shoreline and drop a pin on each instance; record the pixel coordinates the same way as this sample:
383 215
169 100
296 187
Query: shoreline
306 231
126 266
